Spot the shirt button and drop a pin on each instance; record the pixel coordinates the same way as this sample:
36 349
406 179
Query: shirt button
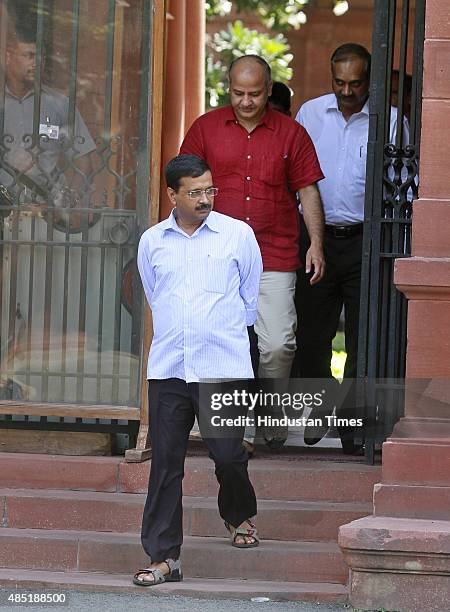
247 198
247 218
249 156
249 136
248 178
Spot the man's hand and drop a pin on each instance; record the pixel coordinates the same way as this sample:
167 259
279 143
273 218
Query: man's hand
314 221
315 258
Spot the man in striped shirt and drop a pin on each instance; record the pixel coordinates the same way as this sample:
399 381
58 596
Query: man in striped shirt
201 272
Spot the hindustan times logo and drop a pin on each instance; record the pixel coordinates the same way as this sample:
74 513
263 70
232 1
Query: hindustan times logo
264 399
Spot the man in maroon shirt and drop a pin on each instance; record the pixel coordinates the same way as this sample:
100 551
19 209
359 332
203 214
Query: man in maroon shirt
259 159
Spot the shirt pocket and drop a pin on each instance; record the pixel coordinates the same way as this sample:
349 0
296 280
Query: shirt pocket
214 274
359 160
273 169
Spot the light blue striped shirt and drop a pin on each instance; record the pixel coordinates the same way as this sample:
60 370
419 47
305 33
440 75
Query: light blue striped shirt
203 292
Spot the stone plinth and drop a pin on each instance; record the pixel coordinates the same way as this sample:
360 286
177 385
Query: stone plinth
398 564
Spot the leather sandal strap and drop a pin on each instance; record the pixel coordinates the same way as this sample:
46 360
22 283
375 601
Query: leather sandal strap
170 563
249 532
241 531
157 574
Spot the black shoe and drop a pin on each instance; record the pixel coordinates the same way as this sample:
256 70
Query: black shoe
314 433
275 436
350 448
275 444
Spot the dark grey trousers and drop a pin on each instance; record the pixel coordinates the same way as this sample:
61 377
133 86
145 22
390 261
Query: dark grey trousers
173 406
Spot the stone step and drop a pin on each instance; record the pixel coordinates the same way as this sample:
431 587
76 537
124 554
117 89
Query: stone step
122 513
85 551
412 501
291 479
243 590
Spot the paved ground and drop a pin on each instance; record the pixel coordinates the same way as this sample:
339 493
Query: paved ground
151 602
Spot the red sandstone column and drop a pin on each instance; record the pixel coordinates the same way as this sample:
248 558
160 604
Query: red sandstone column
195 62
400 556
184 90
174 90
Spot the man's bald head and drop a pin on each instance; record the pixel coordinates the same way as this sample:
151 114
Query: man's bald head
250 87
250 63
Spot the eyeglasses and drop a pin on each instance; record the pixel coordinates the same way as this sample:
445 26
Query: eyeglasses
195 194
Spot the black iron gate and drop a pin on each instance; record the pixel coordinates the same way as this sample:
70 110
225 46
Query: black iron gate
391 187
74 166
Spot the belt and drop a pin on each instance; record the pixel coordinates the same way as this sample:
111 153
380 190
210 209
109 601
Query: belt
344 231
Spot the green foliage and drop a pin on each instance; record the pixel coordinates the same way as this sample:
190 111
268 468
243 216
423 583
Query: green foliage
339 342
338 364
217 7
224 46
280 15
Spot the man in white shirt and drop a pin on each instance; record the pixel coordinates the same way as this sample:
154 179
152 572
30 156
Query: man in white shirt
338 124
201 272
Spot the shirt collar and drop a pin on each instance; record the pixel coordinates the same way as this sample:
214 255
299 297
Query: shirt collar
13 95
44 89
171 223
333 105
268 118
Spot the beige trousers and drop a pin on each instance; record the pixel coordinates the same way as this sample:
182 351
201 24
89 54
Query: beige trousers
275 327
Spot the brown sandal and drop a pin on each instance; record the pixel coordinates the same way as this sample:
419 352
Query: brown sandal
250 532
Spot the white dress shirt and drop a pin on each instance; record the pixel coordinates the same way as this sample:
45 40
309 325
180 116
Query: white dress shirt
341 147
203 292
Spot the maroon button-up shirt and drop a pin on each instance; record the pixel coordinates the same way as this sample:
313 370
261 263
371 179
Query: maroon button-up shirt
257 175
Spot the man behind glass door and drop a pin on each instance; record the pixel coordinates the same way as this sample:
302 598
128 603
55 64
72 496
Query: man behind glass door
53 170
49 172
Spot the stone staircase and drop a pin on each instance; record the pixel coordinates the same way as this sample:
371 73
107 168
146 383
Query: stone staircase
74 522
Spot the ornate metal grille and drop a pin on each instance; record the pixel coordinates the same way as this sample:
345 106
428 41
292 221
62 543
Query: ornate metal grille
391 187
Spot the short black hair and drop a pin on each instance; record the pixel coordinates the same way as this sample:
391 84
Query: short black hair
20 35
256 58
182 166
281 96
349 50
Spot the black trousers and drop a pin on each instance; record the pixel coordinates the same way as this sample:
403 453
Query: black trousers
319 308
173 406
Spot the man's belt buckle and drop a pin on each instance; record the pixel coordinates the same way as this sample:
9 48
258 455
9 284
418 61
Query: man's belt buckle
344 231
